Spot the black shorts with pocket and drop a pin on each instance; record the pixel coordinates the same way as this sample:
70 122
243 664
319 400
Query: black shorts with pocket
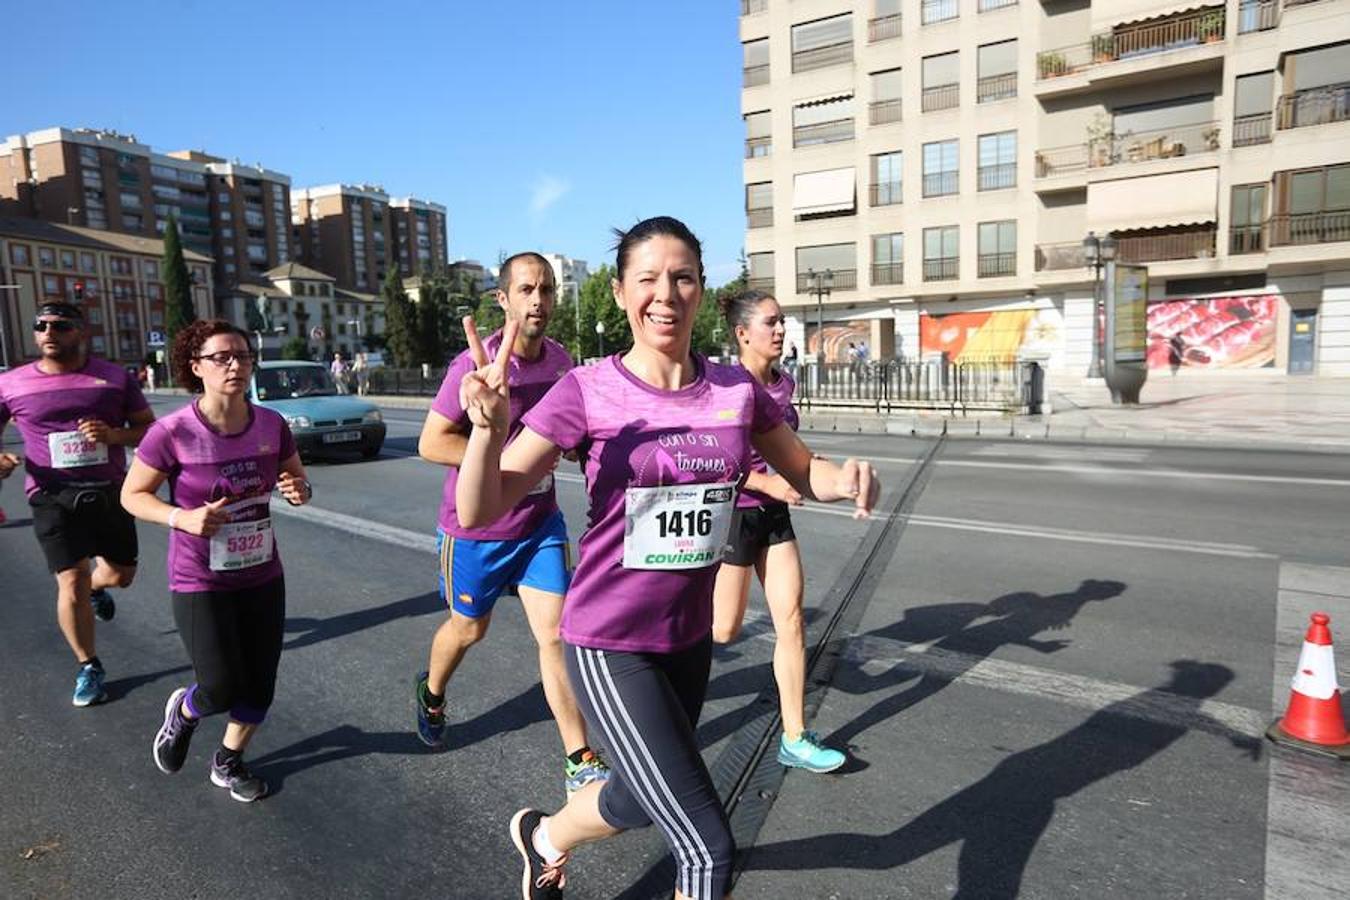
97 525
754 529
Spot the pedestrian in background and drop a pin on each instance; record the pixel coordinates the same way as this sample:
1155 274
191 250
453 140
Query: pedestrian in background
340 372
361 371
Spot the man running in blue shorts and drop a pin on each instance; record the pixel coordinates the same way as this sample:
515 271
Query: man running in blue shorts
526 550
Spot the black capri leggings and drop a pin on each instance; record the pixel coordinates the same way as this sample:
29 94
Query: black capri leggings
234 641
643 707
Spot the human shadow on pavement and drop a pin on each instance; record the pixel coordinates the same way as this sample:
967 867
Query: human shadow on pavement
317 630
999 819
1018 619
118 688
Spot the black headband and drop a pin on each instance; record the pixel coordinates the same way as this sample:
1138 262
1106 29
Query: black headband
64 310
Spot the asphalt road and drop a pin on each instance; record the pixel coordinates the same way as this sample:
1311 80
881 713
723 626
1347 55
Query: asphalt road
1056 672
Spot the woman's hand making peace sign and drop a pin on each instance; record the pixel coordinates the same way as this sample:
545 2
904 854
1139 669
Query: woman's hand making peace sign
483 393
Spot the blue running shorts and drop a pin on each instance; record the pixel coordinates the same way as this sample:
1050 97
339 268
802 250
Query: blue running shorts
473 574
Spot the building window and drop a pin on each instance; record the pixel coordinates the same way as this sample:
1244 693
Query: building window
933 11
51 285
46 257
998 161
68 260
941 168
826 42
150 268
88 262
885 22
888 258
997 73
759 204
941 253
1312 206
941 81
998 249
822 122
988 5
886 179
1246 232
18 254
885 106
838 259
1178 127
89 155
1252 102
1320 79
756 64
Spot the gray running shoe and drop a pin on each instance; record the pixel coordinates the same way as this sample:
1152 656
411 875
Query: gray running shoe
174 736
244 785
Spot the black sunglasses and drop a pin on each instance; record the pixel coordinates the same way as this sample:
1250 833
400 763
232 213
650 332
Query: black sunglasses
60 326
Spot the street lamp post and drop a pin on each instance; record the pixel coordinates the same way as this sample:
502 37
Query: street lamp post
4 339
576 311
820 287
1097 252
600 333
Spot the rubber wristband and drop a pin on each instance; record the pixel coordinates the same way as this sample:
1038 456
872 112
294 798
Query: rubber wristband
173 517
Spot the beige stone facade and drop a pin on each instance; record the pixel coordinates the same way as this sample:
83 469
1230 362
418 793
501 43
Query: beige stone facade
946 157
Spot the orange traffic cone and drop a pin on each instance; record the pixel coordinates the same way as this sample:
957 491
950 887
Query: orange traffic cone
1314 721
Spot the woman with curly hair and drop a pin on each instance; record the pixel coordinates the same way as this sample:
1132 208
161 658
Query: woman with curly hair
221 456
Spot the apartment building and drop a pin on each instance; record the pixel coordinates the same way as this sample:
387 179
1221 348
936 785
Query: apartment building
944 160
237 214
419 234
569 274
294 300
356 232
114 277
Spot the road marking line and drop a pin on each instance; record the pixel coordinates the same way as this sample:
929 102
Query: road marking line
1117 472
388 534
877 654
1307 830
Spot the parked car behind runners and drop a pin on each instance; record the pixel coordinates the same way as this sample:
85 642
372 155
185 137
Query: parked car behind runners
320 419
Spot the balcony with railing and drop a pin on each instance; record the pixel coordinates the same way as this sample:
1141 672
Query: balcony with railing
760 217
1323 227
934 11
1060 257
940 184
1314 106
942 268
885 193
750 7
1188 242
995 265
756 147
883 112
1258 15
753 76
1246 239
1130 147
942 96
844 280
822 133
996 87
883 28
888 273
997 177
821 57
1251 130
1191 29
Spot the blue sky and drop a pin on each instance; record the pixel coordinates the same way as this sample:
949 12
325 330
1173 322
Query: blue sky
539 125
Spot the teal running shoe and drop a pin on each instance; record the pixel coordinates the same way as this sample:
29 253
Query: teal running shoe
807 752
89 686
578 775
105 607
430 719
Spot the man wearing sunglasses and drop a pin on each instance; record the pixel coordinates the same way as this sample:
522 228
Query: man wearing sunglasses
77 415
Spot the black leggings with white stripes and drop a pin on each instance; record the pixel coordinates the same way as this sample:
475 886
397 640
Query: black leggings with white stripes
643 707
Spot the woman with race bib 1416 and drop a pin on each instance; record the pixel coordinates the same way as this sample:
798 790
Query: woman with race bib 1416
666 437
221 456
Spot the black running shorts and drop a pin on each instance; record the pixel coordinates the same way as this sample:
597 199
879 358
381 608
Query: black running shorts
754 529
92 529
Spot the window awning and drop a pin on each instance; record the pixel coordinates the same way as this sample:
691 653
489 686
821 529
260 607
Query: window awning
1155 201
823 192
1119 12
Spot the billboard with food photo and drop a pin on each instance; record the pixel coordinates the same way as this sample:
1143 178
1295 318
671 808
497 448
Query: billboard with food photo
1222 333
1000 335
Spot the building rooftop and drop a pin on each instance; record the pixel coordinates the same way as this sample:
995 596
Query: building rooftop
73 235
295 270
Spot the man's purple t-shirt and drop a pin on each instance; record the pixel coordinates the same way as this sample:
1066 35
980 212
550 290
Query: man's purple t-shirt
636 436
204 465
43 405
781 392
530 380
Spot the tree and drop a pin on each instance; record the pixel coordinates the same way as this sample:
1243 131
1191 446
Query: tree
400 321
179 310
295 348
597 305
433 299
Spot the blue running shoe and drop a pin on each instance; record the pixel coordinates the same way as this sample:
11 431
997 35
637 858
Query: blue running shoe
430 719
89 686
105 607
578 775
808 753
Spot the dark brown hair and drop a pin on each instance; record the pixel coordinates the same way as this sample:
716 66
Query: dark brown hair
504 273
190 341
738 307
657 226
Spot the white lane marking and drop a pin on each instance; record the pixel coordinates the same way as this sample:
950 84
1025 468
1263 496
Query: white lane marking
1149 473
1033 451
366 528
876 655
1307 829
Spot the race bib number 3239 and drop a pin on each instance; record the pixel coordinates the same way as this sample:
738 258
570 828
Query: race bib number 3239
677 526
72 450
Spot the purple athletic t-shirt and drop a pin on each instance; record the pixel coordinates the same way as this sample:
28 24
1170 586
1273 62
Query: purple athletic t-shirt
636 436
530 380
43 405
781 392
204 465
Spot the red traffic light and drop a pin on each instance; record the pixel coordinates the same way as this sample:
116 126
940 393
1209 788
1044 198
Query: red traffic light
79 290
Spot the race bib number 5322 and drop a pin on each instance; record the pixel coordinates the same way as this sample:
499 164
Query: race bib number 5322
676 527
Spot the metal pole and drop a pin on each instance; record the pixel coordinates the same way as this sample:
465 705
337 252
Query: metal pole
4 314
